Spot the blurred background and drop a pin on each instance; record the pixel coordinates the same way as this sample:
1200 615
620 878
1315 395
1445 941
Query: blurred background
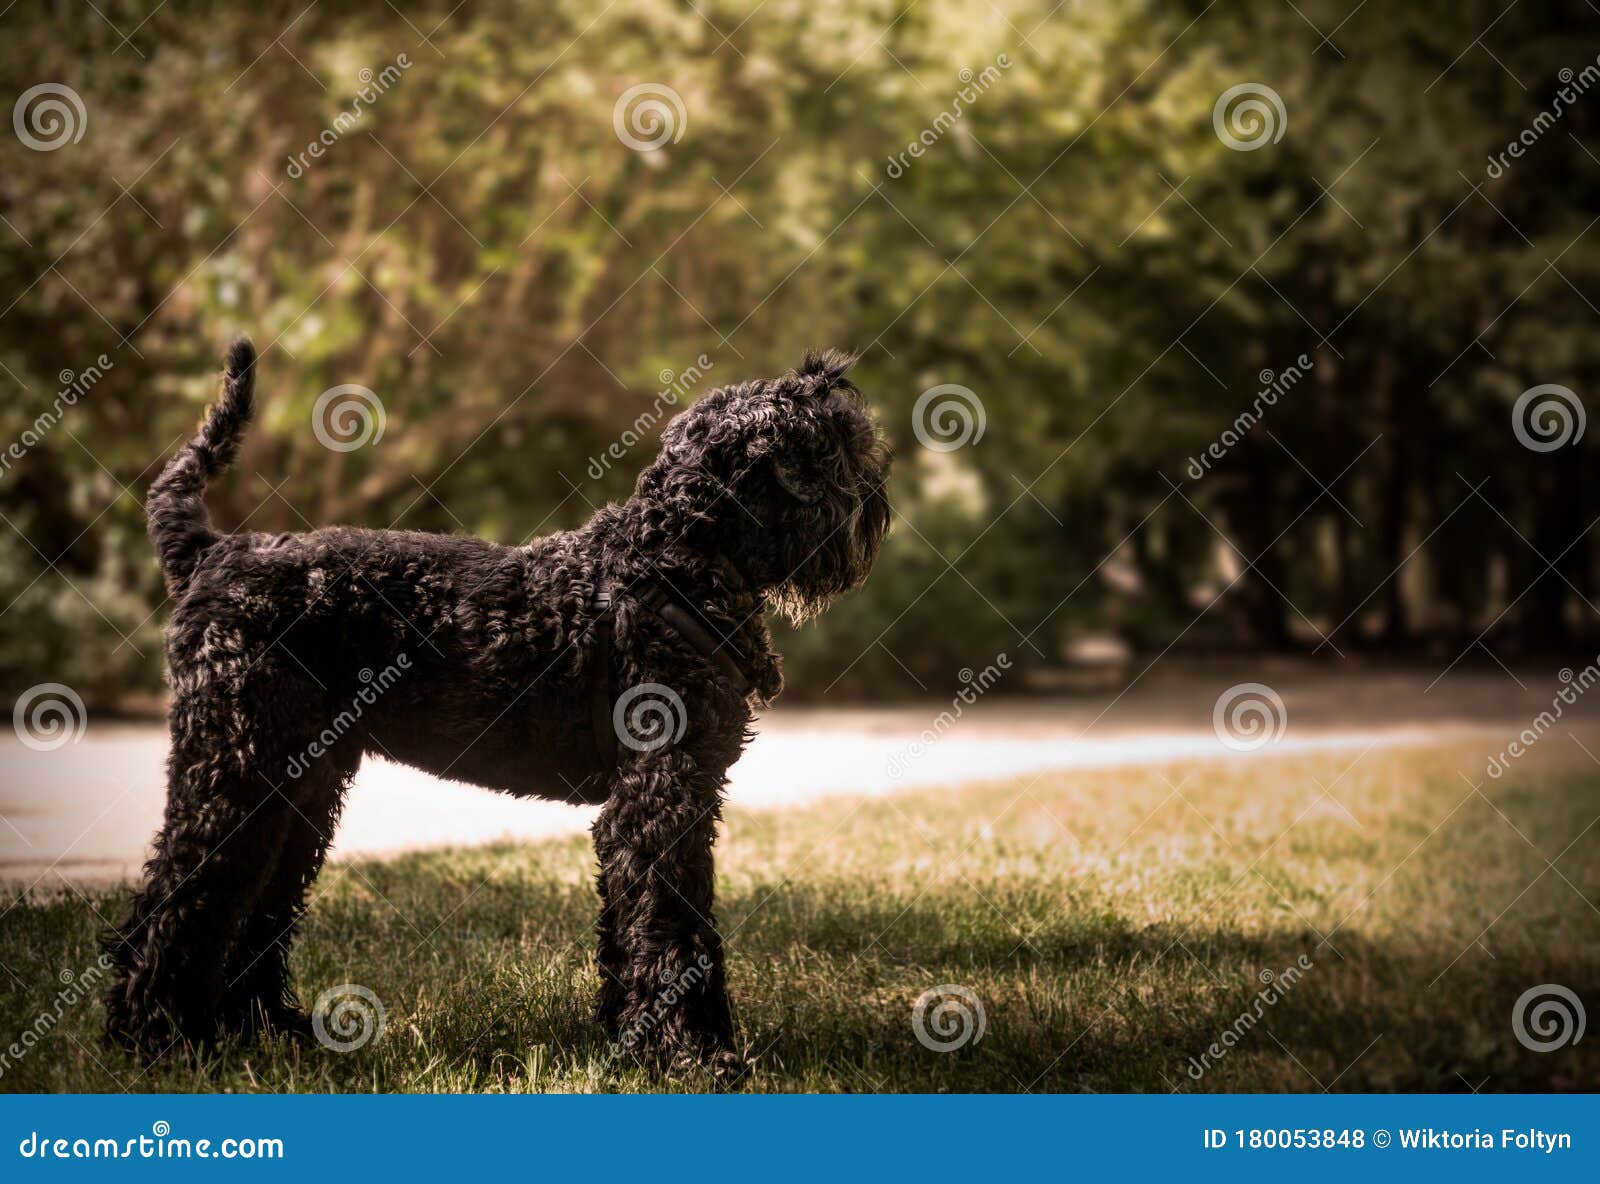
1235 355
1047 210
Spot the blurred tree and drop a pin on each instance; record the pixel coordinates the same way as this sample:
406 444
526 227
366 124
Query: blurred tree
1071 239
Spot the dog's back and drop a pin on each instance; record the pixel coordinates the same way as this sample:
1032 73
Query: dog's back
293 656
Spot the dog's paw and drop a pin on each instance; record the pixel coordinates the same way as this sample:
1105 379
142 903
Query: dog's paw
724 1066
728 1068
292 1024
608 1008
278 1021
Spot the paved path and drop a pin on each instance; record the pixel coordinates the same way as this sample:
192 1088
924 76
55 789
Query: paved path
86 812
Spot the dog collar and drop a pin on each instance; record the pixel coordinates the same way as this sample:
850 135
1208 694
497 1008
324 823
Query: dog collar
682 619
689 624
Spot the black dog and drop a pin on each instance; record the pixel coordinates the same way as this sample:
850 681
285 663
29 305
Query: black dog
617 663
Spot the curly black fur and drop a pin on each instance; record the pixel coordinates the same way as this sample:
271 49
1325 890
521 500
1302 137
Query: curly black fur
765 494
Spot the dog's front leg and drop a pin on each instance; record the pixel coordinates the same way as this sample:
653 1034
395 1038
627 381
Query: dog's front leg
663 990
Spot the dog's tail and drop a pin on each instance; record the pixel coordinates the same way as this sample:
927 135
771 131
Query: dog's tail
179 525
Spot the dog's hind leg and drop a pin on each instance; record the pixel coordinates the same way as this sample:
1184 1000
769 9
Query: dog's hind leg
225 826
611 960
258 973
661 957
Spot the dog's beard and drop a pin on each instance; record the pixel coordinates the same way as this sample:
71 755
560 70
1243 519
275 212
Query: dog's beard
848 535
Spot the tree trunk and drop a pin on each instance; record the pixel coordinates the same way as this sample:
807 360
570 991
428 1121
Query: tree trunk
1393 502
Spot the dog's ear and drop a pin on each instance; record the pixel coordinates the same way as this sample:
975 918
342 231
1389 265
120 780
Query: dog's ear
824 369
792 470
795 476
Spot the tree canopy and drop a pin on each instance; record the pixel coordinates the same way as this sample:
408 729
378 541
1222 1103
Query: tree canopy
1243 297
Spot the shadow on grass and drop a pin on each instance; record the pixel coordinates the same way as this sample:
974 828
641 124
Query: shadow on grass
489 986
1087 999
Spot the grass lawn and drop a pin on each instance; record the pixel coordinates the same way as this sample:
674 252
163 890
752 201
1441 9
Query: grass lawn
1113 925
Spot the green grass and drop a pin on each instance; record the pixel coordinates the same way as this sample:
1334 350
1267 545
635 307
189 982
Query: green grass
1112 923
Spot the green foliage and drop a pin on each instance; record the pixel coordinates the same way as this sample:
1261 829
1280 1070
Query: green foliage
947 595
1077 246
49 626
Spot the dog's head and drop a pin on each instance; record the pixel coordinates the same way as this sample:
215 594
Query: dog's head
785 477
